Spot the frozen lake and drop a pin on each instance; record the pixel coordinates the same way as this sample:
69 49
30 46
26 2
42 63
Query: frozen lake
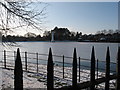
66 49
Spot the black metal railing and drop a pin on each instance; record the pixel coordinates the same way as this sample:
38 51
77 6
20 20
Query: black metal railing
31 62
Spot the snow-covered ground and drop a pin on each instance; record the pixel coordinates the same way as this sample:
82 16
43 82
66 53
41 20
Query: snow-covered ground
39 80
28 82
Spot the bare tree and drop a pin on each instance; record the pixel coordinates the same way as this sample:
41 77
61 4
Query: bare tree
29 34
104 31
21 13
110 31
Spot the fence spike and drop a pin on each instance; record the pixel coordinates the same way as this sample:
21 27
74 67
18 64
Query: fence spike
50 72
118 70
18 72
74 73
107 69
92 71
5 58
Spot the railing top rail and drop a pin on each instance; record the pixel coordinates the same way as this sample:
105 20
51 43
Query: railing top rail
83 59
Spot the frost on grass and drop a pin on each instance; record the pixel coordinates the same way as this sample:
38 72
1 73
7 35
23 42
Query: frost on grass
28 82
39 80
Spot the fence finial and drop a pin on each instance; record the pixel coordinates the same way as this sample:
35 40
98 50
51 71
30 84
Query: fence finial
50 72
107 69
18 72
92 72
93 52
74 73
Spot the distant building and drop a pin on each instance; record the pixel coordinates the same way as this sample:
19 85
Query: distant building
60 34
102 39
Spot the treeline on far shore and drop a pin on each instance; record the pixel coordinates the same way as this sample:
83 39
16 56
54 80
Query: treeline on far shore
63 34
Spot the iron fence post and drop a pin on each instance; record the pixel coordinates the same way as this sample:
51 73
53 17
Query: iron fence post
50 72
92 71
118 70
26 61
74 73
107 75
18 72
4 58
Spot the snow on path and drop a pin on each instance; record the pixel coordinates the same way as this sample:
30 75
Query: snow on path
28 82
34 80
